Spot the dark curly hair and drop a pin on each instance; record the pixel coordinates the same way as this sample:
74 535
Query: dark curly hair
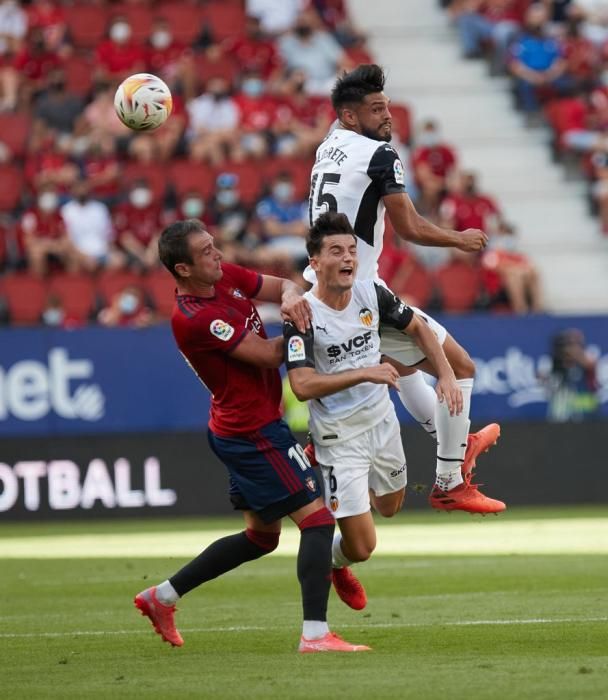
351 88
328 224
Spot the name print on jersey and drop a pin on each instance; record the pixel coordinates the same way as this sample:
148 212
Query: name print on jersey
332 153
351 348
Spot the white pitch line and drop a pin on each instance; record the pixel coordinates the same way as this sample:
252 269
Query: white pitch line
261 628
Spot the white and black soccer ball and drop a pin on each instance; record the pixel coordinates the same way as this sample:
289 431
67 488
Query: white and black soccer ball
143 102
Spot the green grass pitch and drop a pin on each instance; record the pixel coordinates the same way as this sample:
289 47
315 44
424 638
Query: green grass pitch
526 623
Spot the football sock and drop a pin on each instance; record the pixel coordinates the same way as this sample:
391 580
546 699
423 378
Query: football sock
222 556
314 629
419 399
452 433
314 567
166 593
338 560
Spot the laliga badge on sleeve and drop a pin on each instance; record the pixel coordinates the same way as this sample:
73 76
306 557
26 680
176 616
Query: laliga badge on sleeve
220 329
398 170
295 349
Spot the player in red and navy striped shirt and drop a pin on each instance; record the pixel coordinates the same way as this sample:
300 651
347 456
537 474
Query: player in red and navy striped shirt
218 330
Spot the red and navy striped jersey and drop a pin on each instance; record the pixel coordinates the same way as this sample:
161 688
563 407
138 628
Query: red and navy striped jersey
207 329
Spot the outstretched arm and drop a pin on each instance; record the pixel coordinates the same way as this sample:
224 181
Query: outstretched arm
307 383
288 294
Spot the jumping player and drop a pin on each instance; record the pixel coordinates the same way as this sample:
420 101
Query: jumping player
335 365
218 330
358 173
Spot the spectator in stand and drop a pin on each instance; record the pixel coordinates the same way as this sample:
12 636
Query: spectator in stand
138 223
54 314
314 51
482 21
257 112
465 207
90 229
536 61
99 119
13 29
581 55
43 235
334 16
119 55
33 63
254 50
432 162
229 217
171 60
599 186
127 308
101 168
301 121
57 108
48 163
49 17
213 134
276 16
191 205
284 221
517 275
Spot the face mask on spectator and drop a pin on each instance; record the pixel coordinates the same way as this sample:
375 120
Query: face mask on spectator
429 139
227 198
53 317
283 191
120 32
193 207
253 87
48 201
161 38
128 303
140 197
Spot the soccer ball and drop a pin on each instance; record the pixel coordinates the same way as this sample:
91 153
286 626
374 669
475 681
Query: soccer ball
143 102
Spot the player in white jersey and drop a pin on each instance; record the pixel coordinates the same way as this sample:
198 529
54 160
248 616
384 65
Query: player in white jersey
358 173
336 366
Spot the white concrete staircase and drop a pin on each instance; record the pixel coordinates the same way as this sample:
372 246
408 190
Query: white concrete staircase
415 43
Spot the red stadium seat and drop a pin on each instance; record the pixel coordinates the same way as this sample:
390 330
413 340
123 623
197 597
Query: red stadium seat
14 130
298 169
250 179
418 287
402 121
155 175
25 297
110 282
224 18
186 176
459 285
77 294
160 287
222 68
138 16
79 75
185 19
11 186
87 24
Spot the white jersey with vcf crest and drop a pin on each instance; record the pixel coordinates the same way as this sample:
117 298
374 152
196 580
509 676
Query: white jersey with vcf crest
351 174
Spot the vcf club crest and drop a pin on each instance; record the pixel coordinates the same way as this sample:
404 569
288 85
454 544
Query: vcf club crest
366 317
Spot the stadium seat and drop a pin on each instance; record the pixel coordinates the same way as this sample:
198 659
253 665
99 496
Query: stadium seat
224 18
250 178
77 294
298 168
79 75
186 176
110 282
11 186
459 285
14 131
402 122
160 287
418 287
221 68
184 18
25 297
138 16
155 175
87 24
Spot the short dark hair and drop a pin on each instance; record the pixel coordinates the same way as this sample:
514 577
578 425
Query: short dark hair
328 224
351 88
173 246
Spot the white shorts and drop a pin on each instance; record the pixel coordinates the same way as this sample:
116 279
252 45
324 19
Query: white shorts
371 460
401 347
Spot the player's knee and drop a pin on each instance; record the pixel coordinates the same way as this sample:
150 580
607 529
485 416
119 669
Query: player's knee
362 551
388 510
266 541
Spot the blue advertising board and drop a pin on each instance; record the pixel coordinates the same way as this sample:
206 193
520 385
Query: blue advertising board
99 380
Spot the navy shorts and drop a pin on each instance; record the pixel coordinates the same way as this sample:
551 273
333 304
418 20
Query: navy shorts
269 472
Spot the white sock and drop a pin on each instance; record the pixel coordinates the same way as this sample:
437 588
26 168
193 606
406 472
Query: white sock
452 432
166 593
338 560
314 629
419 399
